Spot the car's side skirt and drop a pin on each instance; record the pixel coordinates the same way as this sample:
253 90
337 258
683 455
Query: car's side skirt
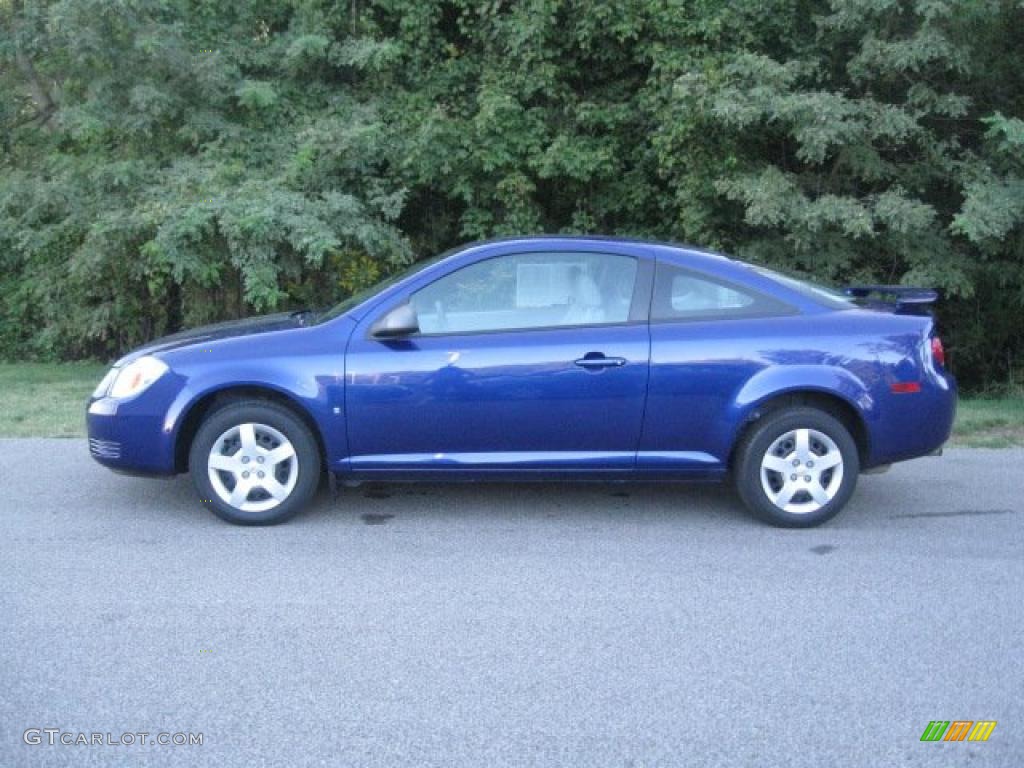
532 466
463 475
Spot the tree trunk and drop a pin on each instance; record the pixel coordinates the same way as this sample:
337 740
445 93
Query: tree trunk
46 104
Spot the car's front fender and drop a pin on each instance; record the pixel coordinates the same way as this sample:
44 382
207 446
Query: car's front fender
319 396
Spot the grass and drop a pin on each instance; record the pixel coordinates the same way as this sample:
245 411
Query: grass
48 400
990 423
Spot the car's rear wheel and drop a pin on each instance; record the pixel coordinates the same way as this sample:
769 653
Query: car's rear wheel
797 467
254 463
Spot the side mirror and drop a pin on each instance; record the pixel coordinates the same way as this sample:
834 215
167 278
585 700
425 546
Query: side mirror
400 321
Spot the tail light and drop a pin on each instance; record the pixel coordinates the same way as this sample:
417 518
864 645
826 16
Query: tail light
938 352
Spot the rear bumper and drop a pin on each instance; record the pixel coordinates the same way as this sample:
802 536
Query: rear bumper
915 425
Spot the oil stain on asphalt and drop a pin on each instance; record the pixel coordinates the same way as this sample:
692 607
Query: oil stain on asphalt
371 519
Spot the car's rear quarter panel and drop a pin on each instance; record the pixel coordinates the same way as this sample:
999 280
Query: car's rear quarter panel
708 378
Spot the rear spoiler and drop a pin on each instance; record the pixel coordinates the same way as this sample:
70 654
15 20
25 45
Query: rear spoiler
908 299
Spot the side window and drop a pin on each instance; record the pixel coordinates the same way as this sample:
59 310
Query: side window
529 290
683 295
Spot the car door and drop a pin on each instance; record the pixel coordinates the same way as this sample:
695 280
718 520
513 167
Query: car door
523 361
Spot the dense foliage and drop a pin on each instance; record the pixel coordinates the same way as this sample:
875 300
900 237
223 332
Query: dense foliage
171 162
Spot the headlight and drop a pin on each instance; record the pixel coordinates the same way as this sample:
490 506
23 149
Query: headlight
137 376
104 386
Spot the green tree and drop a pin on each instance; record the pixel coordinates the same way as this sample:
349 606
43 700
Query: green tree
171 162
858 153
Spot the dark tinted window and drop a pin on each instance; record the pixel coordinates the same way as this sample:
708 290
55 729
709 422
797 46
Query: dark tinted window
683 295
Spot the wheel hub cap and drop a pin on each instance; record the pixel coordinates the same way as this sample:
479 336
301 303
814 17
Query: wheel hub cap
252 467
802 471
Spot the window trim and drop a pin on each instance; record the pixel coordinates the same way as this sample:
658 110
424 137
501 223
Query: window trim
638 314
777 307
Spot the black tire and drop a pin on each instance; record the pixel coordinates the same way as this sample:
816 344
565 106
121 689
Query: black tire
763 435
279 418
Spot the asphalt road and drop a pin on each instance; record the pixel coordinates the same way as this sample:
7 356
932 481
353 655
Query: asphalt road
511 625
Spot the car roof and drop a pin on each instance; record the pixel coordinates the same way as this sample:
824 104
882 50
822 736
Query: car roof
562 238
563 242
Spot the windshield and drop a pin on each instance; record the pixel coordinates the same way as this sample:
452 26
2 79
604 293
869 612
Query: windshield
360 296
823 294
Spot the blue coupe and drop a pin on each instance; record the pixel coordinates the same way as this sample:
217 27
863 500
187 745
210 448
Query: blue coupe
543 358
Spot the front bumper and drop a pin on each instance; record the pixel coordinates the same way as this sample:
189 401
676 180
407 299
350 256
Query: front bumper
134 435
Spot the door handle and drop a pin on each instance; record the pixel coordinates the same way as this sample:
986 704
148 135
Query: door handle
597 361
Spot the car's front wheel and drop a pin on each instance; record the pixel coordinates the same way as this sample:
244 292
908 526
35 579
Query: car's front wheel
797 467
254 463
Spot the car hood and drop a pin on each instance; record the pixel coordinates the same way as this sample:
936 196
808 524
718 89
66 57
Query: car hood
230 329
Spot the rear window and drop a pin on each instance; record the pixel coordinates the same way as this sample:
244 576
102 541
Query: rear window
692 294
683 295
822 294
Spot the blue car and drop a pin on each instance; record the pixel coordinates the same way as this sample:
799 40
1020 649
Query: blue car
543 358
